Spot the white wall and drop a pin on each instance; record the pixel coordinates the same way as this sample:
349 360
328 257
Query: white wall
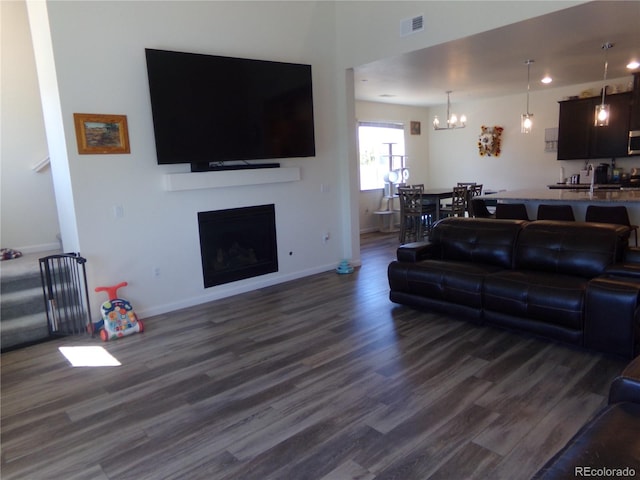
370 30
28 215
100 68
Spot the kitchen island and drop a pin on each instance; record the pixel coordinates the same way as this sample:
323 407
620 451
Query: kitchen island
579 199
585 186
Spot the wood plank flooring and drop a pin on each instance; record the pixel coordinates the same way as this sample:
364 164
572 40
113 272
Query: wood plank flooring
320 378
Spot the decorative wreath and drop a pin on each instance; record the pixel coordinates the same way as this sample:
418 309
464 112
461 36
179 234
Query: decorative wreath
489 141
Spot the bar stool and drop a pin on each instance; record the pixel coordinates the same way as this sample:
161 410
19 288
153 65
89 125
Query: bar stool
615 214
478 209
514 211
555 212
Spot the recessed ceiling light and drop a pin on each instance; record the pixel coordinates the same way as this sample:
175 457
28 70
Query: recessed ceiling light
547 79
633 65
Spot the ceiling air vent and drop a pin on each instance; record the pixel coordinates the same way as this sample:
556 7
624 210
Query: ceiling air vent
409 26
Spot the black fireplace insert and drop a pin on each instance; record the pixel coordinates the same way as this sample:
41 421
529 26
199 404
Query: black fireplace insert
237 243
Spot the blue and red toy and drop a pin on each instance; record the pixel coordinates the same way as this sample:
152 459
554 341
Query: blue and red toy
118 317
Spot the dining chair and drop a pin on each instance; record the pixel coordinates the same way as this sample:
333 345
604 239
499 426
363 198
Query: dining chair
428 210
555 212
411 214
514 211
458 205
473 191
476 190
615 214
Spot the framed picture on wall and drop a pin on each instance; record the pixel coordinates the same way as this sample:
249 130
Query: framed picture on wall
101 134
415 128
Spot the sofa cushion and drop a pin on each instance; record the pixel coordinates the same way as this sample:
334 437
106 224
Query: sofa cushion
477 240
456 282
551 298
570 248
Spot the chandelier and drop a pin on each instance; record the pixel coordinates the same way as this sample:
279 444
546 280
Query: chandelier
452 118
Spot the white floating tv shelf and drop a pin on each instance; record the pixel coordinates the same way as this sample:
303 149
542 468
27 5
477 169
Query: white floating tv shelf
230 178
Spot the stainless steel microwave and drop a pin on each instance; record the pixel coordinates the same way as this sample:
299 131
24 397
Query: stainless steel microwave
634 142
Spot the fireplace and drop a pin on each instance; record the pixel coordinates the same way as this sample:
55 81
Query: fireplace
237 243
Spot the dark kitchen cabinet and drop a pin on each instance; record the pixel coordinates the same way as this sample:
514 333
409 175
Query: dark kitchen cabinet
612 140
576 118
634 124
578 138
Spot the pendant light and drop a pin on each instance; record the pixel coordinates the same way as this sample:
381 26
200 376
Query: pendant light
452 118
526 119
601 118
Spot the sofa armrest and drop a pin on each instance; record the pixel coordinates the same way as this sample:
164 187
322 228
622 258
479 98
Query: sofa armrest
630 265
612 315
626 386
416 251
629 270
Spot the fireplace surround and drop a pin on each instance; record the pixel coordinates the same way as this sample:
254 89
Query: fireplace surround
237 243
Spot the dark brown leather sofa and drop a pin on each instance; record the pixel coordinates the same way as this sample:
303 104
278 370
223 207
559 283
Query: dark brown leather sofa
608 446
571 281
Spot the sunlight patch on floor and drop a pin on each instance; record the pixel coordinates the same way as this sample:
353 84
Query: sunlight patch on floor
89 357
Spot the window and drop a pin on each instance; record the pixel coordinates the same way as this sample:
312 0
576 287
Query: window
373 140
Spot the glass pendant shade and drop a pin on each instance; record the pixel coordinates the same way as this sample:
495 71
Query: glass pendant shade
526 119
602 115
526 122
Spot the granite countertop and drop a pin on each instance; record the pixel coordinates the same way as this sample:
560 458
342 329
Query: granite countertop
585 186
568 195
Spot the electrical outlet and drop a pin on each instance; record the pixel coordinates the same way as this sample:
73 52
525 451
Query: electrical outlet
325 237
155 272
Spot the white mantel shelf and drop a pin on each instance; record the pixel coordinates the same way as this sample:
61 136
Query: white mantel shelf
230 178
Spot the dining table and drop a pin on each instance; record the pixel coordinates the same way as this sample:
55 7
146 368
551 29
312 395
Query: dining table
433 196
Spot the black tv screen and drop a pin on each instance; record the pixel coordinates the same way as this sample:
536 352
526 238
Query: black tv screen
212 109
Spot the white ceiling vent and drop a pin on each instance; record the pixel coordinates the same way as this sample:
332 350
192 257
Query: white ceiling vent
409 26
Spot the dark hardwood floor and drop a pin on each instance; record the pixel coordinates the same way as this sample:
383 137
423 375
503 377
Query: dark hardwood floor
319 378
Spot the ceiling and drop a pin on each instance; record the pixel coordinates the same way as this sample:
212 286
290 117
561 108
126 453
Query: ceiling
567 45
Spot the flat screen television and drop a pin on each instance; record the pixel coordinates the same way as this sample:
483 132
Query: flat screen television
210 109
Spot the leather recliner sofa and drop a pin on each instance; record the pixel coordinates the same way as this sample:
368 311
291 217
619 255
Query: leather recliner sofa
575 282
608 446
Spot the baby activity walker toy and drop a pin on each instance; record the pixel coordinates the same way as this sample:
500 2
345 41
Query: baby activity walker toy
118 318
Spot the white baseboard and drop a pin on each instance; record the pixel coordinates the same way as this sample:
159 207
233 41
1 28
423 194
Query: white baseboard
45 247
231 289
